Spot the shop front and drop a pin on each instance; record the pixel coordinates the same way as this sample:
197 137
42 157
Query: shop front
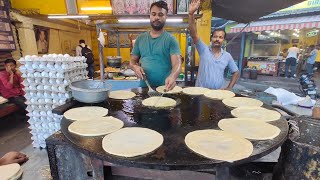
269 41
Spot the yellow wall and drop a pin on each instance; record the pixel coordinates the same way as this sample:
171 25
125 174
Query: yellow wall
65 42
44 6
204 30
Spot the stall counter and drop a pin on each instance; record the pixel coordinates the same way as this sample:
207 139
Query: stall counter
265 67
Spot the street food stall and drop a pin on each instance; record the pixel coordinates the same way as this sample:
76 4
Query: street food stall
86 156
268 39
264 58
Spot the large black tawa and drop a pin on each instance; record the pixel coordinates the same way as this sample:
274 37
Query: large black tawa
192 113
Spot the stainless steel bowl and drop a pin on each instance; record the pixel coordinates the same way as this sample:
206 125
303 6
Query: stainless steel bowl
90 91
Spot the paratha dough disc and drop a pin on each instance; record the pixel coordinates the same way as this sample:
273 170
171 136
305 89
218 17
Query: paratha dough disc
241 101
162 103
195 91
258 113
10 171
175 90
131 142
96 127
219 145
249 128
18 176
121 95
219 94
85 113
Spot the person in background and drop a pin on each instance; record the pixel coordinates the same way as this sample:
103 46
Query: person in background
291 61
11 86
213 59
285 53
13 157
84 50
312 58
82 43
157 51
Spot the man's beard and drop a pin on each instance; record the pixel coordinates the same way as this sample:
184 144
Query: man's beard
218 45
157 27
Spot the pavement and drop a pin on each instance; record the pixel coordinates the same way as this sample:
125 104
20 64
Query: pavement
263 82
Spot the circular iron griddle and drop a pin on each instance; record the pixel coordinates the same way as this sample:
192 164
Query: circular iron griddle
193 113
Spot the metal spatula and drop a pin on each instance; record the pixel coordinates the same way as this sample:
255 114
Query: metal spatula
160 97
151 92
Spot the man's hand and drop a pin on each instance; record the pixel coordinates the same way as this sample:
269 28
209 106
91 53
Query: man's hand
138 70
194 5
170 83
13 157
227 88
9 70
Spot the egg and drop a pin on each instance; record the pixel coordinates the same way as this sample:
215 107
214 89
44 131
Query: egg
37 81
47 95
40 95
48 101
43 113
40 87
54 88
42 66
57 66
58 81
45 74
55 101
46 87
52 81
45 81
66 82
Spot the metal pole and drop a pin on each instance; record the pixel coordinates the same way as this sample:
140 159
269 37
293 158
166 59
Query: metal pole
186 60
243 43
100 55
193 62
118 43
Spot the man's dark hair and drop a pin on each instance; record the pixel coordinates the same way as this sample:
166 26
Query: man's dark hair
225 34
294 45
81 41
160 4
10 61
312 46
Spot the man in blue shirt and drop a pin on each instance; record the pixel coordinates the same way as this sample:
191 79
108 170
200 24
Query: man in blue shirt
312 59
213 59
157 51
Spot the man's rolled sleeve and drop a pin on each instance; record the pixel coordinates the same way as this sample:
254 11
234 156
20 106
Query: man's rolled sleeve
232 65
174 47
136 50
201 46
